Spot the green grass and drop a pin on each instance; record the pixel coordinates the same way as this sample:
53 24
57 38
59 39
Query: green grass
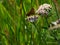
12 24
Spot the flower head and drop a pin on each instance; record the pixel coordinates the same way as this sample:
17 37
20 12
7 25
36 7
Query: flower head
47 6
44 9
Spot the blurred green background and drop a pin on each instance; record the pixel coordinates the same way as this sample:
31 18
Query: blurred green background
12 23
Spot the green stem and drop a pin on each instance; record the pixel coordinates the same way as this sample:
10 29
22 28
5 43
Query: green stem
37 3
55 8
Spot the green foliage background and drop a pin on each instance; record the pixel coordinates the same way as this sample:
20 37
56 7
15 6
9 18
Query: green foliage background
12 24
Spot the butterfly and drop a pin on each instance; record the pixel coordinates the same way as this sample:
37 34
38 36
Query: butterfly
31 17
31 12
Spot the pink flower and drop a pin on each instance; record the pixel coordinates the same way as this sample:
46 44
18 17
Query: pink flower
47 6
44 9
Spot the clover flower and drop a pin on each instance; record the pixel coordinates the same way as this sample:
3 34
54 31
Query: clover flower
32 18
44 9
